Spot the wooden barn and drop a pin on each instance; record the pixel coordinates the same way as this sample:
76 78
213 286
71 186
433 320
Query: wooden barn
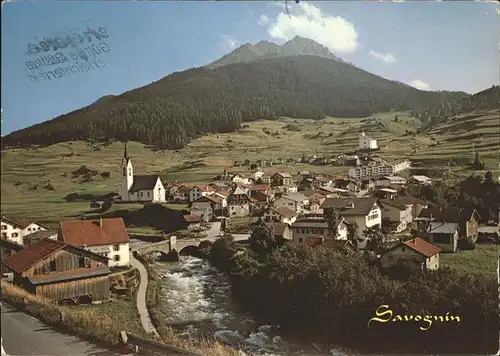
60 272
7 249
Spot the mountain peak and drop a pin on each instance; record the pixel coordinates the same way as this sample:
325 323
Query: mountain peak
297 46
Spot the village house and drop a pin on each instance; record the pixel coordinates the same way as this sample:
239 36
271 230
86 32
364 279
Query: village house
368 184
385 193
282 214
466 219
199 191
280 179
318 226
15 230
239 178
302 175
389 181
257 173
321 182
59 271
265 179
179 194
315 201
395 215
36 236
105 237
419 179
365 212
139 188
281 230
265 189
346 183
215 201
193 222
202 209
239 203
219 186
295 201
7 249
415 253
444 235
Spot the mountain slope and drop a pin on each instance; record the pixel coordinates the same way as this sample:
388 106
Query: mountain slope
170 112
297 46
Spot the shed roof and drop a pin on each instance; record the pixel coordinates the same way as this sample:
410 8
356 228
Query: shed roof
69 275
438 227
362 206
39 251
423 247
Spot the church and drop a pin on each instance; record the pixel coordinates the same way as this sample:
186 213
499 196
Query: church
143 188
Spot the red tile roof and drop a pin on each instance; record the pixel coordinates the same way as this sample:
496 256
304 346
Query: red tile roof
423 247
90 233
204 188
259 187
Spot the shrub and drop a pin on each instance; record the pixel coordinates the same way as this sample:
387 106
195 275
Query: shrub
466 243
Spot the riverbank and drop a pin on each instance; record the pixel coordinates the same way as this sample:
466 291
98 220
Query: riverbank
206 346
333 296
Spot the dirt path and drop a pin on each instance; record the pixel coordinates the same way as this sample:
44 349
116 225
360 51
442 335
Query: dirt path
141 297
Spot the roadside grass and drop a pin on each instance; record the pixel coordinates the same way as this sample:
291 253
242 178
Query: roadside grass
96 323
482 260
206 157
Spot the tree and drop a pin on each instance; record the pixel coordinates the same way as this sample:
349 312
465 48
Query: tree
352 231
488 177
375 238
262 240
477 164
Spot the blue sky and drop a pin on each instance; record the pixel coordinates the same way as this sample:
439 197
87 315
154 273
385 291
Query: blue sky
432 45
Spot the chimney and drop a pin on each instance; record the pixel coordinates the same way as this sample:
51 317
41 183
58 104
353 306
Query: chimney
100 222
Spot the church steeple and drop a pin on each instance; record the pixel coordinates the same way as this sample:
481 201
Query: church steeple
125 154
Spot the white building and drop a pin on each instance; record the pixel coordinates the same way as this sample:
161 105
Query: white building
139 188
106 237
366 142
16 230
200 191
294 201
390 180
366 212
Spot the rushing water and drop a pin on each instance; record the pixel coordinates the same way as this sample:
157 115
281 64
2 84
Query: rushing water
196 298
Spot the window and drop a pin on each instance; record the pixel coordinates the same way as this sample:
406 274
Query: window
140 194
4 235
130 171
4 227
52 266
148 194
116 258
83 262
124 171
116 247
15 234
390 258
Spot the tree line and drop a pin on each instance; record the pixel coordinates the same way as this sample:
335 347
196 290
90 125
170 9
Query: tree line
170 112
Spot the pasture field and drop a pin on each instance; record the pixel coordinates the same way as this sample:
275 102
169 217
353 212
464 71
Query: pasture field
35 181
482 260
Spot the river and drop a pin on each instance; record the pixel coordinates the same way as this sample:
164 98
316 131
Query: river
197 299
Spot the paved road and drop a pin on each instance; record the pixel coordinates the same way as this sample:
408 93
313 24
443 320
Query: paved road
141 297
24 335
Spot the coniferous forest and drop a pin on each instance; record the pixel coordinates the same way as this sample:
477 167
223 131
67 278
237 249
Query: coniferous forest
171 111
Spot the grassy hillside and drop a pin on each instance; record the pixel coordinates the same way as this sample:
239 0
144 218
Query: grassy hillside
205 157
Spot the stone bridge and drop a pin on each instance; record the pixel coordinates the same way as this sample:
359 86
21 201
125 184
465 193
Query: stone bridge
172 243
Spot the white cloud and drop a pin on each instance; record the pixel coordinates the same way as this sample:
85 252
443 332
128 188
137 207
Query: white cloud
334 32
417 83
230 42
263 20
384 57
